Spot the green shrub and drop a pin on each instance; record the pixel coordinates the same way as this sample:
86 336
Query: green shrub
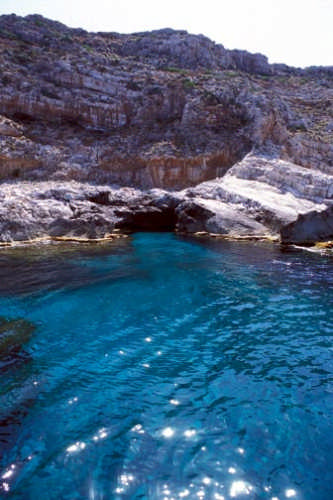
188 84
172 69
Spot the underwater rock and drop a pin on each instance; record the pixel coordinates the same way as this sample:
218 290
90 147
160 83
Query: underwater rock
14 334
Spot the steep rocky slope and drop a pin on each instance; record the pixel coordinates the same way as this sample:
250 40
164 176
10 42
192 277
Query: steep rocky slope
162 109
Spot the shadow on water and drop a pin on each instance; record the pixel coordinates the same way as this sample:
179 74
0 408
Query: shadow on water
271 263
37 269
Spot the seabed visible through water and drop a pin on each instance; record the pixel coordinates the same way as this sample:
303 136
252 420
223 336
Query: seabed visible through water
165 367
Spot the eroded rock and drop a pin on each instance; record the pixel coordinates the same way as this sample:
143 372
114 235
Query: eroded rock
158 109
309 228
258 197
81 112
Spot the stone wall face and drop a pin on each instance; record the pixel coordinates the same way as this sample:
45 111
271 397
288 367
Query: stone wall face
164 108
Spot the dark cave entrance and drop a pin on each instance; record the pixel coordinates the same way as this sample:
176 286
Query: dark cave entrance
148 219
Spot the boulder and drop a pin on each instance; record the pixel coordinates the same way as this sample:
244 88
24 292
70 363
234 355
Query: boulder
216 217
309 228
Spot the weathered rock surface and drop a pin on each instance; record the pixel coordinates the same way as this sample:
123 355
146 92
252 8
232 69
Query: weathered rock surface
160 109
309 228
30 210
246 147
257 197
216 217
249 201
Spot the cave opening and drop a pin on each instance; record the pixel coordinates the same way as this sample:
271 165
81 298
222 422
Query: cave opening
148 219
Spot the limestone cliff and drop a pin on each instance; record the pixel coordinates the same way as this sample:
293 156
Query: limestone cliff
162 109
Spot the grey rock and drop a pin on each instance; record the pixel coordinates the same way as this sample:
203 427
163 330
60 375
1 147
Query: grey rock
159 109
257 197
192 216
309 228
216 217
91 121
251 63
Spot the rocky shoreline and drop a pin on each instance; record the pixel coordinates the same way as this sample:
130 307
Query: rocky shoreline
102 134
258 198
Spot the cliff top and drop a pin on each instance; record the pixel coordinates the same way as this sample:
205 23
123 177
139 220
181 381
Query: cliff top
163 49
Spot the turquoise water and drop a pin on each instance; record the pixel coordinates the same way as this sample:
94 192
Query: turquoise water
164 368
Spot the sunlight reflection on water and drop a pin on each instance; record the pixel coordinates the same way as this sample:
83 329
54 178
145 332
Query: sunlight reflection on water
169 368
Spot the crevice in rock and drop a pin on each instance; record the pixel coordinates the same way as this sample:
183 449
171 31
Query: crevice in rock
100 198
24 118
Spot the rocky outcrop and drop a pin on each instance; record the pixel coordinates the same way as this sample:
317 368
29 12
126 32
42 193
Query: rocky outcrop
216 217
10 128
96 127
249 201
158 109
257 197
309 228
29 211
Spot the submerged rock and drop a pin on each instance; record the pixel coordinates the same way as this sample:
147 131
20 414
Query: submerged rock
14 334
18 394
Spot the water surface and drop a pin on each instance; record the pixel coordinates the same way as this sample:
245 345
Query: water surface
161 367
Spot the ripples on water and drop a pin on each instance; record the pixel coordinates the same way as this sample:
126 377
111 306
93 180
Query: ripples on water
165 368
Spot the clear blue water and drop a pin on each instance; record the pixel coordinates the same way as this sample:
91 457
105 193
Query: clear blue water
165 368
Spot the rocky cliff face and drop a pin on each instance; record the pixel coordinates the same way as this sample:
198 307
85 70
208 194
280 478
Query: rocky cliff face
162 109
